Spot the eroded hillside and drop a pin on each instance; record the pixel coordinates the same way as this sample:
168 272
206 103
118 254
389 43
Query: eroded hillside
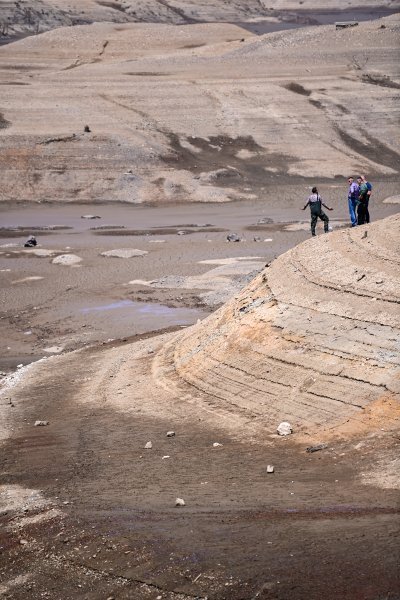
205 112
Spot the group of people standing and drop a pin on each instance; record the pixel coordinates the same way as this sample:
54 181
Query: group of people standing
358 199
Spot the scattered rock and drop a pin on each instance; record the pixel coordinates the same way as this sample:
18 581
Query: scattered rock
217 445
284 428
30 242
316 448
23 542
66 260
124 253
170 433
41 423
233 237
270 468
179 502
148 446
265 220
166 456
54 349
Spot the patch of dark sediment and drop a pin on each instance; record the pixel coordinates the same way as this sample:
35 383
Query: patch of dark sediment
4 123
371 148
224 152
158 231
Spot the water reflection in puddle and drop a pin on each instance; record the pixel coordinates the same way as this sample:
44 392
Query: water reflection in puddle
160 314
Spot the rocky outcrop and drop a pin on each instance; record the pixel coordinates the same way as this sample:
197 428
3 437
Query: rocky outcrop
312 340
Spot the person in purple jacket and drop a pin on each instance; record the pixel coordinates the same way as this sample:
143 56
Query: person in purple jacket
352 198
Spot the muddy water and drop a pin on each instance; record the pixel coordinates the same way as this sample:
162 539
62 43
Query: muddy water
45 306
48 308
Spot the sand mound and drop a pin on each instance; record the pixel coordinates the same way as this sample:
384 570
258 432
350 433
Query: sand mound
312 340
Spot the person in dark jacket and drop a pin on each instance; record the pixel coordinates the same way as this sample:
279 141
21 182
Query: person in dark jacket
315 203
363 198
369 192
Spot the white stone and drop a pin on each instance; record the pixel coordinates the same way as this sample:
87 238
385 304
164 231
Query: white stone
41 423
179 502
217 445
170 433
124 253
270 468
148 446
66 260
284 428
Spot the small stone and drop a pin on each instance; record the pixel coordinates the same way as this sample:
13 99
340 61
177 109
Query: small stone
166 456
170 433
270 468
316 448
284 428
233 237
23 542
179 502
41 423
148 446
217 445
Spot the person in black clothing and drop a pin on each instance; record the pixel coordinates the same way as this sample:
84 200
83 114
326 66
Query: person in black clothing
363 198
369 191
315 203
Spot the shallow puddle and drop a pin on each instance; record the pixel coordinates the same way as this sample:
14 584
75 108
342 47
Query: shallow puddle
140 312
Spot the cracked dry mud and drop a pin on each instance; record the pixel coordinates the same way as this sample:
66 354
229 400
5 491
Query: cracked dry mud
309 341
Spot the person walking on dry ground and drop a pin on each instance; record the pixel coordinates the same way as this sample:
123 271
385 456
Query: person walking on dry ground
315 203
352 199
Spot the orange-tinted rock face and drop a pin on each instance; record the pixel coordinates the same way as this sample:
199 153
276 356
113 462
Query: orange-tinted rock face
312 340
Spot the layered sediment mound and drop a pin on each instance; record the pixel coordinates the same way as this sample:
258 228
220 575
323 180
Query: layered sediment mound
312 340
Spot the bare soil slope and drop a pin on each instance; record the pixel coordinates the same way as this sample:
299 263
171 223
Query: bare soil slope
204 112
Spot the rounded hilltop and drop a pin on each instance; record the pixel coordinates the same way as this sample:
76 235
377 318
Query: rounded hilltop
311 340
